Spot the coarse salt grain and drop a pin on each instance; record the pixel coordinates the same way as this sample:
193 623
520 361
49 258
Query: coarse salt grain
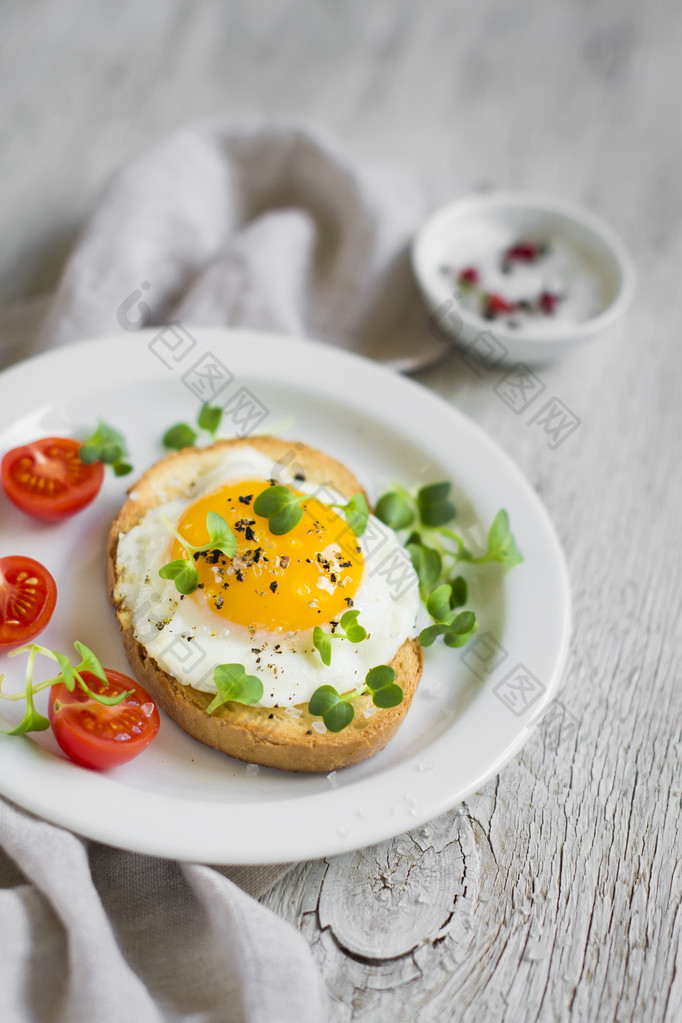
251 770
295 712
320 727
333 780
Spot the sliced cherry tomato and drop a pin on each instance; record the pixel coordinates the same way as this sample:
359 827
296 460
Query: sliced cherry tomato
48 480
28 594
98 736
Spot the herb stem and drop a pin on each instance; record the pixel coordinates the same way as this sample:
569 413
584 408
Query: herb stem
406 495
178 536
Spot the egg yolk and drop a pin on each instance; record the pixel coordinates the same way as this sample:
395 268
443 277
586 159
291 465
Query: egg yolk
303 578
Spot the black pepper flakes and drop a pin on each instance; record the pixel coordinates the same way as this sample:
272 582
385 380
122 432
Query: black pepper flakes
249 533
246 498
273 585
219 603
240 576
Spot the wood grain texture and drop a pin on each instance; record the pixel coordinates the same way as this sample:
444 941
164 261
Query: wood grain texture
555 895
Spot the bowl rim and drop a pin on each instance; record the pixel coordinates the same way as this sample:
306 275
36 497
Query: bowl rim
543 203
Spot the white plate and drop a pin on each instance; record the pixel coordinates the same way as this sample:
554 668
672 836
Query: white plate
180 799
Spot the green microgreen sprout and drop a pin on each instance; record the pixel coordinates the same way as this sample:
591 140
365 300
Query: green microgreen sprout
382 685
455 627
356 513
432 509
394 510
348 628
434 504
183 571
336 709
501 544
181 435
234 685
333 707
106 445
436 549
282 508
71 675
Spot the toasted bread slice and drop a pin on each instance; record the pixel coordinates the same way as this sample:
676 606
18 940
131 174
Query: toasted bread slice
271 736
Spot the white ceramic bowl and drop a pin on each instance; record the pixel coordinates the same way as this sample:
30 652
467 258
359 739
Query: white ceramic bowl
471 229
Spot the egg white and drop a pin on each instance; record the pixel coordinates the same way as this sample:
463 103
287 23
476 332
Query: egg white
187 640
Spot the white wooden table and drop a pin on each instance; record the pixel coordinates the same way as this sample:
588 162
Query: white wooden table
554 893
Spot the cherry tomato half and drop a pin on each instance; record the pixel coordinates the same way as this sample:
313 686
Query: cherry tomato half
98 736
28 595
48 480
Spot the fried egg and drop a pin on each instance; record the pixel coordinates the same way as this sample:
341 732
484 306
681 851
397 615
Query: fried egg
260 607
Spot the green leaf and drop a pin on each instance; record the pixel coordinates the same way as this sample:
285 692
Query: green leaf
382 685
88 453
379 677
32 721
107 701
429 635
464 622
110 453
461 629
281 507
389 696
322 642
106 445
336 712
438 604
394 510
339 716
286 520
221 537
460 592
122 468
427 563
183 573
322 699
88 661
209 418
233 684
179 436
66 670
357 514
501 544
350 625
435 508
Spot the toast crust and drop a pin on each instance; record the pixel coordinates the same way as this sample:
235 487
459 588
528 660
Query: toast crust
271 736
